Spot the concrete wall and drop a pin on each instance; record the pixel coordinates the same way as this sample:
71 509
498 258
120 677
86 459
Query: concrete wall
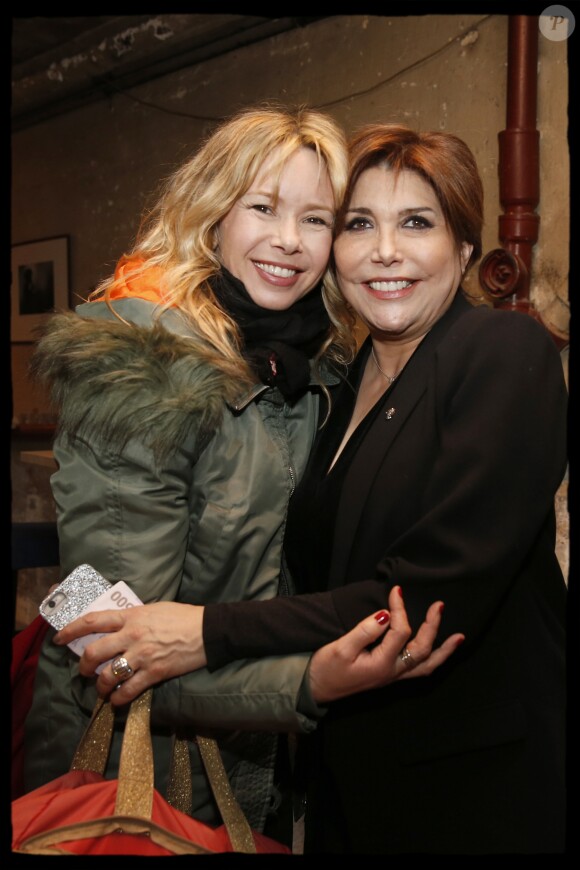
89 173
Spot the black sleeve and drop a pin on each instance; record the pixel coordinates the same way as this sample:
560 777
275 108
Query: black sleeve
302 623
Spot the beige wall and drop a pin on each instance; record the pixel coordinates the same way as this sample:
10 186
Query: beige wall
89 173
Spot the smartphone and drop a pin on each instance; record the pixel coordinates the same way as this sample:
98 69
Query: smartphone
85 590
73 596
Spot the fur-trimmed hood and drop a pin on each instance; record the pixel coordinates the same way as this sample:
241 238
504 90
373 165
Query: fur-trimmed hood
120 380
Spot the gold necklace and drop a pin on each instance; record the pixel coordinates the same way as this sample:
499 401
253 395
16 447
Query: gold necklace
391 378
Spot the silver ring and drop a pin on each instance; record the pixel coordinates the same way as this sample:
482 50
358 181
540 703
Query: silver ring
121 668
407 658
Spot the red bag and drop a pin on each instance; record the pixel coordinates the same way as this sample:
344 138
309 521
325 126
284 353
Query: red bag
26 646
83 813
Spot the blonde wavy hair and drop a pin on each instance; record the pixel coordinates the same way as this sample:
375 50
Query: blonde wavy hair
178 234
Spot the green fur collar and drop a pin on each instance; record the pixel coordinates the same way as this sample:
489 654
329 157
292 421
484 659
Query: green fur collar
117 381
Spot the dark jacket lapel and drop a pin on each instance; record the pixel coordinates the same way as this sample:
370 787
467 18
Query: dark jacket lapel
397 404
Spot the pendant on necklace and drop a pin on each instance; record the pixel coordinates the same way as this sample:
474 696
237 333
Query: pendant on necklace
390 378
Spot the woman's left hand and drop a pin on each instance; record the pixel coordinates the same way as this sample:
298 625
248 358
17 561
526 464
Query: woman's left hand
353 664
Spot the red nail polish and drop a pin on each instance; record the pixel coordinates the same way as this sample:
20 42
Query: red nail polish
382 617
441 608
400 592
459 642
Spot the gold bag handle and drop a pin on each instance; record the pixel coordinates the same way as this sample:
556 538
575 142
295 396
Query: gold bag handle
135 781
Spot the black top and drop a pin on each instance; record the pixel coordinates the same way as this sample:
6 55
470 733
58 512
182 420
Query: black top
309 535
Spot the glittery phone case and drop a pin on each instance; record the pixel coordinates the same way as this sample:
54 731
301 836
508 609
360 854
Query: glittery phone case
73 596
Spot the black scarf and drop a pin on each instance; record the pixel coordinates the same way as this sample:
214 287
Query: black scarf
277 344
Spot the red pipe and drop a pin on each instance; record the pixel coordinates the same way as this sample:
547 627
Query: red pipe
519 146
505 273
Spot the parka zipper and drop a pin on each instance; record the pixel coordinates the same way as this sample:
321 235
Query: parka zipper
292 480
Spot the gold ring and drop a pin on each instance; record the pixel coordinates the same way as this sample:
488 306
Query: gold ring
407 658
121 668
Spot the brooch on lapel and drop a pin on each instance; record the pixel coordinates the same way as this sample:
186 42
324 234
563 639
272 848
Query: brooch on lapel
390 413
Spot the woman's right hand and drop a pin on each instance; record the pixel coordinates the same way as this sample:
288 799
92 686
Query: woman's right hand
159 640
356 662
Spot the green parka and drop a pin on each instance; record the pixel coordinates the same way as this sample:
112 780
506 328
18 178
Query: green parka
172 480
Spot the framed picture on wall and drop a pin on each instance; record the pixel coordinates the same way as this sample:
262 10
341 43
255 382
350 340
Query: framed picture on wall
40 284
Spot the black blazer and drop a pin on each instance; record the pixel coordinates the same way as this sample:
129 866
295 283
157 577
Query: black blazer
451 495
